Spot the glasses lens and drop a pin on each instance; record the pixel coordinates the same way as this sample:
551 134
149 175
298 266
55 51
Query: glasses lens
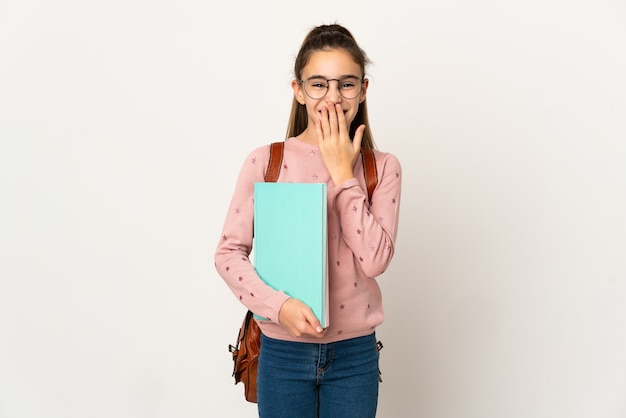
349 87
316 88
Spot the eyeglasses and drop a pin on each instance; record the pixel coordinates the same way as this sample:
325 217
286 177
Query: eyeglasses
317 87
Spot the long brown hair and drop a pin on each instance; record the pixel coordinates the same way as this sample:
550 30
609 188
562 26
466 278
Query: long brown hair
328 37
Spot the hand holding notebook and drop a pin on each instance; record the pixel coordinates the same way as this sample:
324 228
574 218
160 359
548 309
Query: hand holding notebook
298 319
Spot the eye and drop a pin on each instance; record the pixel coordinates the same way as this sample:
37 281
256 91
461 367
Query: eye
317 83
349 83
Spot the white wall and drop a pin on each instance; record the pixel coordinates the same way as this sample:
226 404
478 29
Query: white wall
123 125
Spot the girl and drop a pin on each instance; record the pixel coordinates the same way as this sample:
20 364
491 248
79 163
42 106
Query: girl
304 370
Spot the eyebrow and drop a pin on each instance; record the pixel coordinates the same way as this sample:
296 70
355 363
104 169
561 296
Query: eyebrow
339 78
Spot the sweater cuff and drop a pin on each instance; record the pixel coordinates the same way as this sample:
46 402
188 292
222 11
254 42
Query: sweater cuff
336 191
276 303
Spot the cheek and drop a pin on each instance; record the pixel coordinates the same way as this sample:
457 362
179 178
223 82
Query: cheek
312 109
351 115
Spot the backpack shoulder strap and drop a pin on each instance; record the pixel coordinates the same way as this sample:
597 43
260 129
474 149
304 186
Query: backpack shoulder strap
367 155
275 162
369 171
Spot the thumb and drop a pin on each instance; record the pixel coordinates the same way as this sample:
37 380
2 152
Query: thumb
313 321
358 138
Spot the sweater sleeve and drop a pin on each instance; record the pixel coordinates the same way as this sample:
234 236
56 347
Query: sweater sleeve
232 254
370 230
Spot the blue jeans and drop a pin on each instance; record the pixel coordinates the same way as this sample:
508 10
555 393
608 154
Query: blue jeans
308 380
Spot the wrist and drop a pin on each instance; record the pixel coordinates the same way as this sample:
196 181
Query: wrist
342 177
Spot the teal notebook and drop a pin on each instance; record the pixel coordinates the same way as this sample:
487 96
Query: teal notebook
289 248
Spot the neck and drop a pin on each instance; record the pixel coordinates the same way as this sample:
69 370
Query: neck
309 136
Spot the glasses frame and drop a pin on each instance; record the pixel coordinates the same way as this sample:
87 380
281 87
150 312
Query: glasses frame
328 80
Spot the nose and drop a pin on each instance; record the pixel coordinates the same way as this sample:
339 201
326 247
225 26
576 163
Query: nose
333 94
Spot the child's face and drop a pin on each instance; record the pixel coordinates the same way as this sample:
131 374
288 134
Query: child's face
331 65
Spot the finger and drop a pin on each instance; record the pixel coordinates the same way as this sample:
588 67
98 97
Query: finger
332 117
324 122
319 131
358 138
341 122
313 321
320 334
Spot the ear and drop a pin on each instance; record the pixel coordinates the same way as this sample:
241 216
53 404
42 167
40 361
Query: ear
366 83
298 94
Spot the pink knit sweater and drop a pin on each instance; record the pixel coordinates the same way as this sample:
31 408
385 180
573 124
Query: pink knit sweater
361 241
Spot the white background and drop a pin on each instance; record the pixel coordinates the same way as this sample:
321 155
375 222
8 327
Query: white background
123 125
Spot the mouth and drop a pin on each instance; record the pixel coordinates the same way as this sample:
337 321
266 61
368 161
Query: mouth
344 111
